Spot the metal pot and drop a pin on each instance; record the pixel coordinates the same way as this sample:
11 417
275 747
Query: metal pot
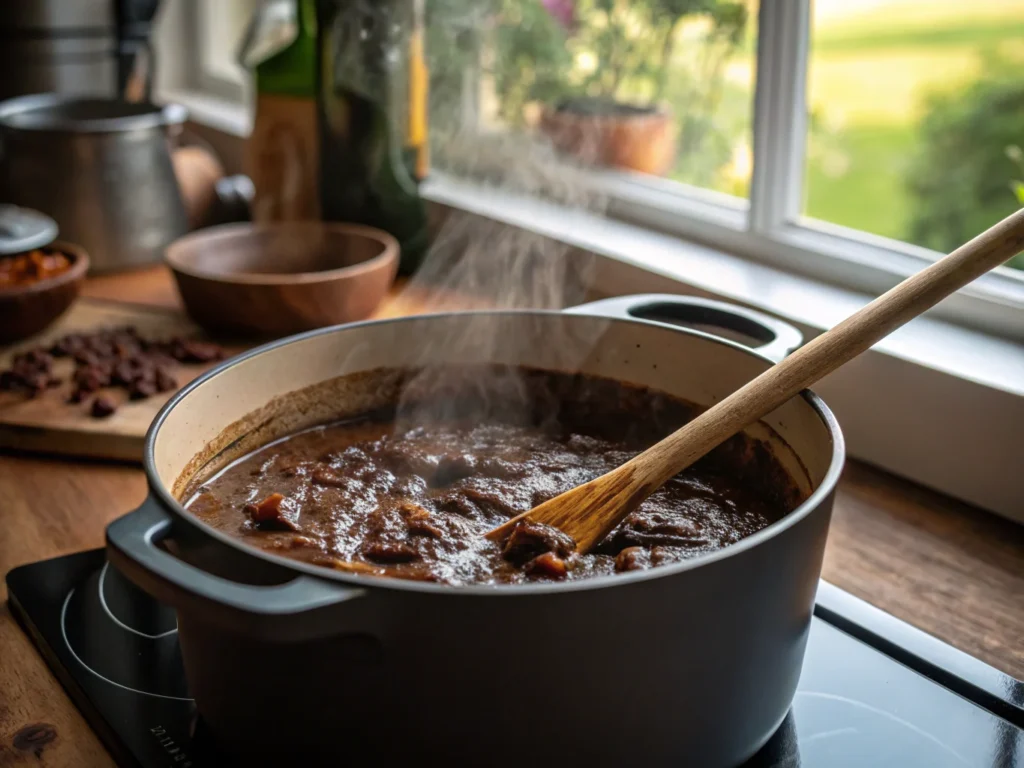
101 168
690 664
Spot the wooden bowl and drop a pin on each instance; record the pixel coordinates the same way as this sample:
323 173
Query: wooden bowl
26 310
280 279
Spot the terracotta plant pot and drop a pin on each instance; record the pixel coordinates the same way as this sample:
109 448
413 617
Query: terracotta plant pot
611 134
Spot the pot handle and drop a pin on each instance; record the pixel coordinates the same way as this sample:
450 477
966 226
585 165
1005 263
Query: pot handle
293 611
777 338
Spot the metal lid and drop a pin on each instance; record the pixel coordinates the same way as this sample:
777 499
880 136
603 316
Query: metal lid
22 229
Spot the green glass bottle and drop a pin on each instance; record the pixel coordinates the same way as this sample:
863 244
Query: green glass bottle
372 104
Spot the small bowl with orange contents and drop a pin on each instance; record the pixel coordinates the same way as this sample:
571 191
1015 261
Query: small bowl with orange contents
39 277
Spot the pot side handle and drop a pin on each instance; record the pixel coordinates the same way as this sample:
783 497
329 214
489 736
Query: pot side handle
294 611
777 338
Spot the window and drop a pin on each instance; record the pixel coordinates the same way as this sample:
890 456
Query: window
849 141
917 117
833 138
196 45
220 30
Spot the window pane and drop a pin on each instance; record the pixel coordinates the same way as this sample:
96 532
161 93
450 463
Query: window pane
223 24
663 87
917 117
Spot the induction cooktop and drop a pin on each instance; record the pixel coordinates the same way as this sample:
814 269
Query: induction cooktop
874 693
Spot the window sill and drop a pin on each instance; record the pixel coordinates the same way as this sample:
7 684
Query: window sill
934 402
815 306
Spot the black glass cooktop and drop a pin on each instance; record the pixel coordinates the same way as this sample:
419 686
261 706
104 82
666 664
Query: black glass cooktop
875 692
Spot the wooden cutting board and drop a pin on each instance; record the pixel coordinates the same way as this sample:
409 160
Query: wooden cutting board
50 424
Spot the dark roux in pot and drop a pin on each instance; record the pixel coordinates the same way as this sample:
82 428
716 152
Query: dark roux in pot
411 494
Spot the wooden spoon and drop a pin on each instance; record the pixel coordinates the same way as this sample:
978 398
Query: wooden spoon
589 512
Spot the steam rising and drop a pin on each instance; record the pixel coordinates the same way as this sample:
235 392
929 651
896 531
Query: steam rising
486 263
504 266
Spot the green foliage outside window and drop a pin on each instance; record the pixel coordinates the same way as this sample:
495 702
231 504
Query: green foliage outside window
968 171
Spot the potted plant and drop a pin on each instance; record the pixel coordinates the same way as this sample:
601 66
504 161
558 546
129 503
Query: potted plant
600 71
605 97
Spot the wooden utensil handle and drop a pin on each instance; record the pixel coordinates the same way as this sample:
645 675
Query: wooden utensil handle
827 352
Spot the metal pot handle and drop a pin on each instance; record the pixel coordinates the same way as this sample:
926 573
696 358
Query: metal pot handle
777 338
291 611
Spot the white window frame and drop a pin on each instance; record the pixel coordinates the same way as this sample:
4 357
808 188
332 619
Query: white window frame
216 70
770 228
190 64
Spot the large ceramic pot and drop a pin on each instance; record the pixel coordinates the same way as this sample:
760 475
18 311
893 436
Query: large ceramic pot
694 663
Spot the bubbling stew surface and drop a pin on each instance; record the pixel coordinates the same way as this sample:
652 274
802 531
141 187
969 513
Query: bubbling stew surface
409 492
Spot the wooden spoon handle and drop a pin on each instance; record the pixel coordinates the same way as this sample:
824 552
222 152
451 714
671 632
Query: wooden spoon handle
830 350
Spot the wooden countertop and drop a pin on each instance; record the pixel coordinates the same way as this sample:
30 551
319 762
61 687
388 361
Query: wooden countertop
954 571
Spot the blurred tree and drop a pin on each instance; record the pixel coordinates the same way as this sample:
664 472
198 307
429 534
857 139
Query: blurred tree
963 178
531 59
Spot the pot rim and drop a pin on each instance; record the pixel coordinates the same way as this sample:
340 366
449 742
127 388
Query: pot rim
813 502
